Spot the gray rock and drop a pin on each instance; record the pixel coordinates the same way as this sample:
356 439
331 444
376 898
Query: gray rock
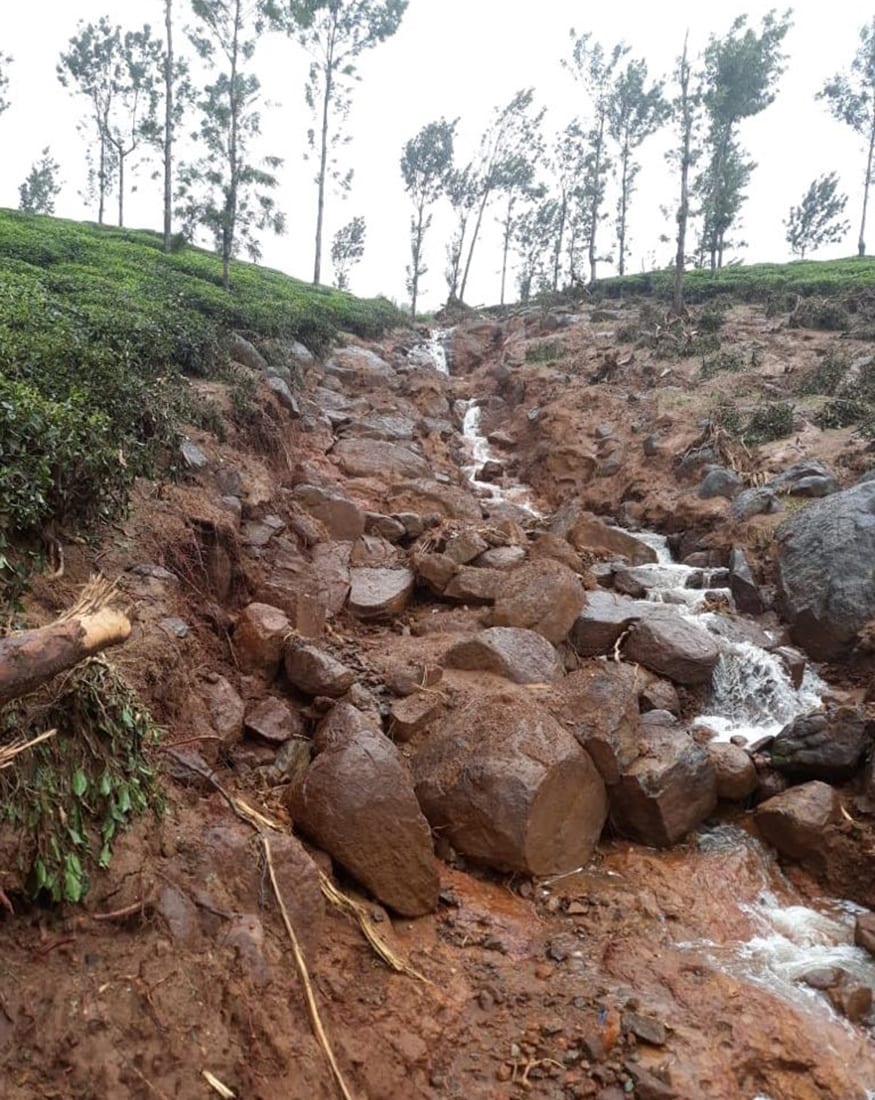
806 478
720 482
242 351
672 647
192 455
316 672
379 593
279 388
825 582
605 616
744 588
823 744
755 502
523 656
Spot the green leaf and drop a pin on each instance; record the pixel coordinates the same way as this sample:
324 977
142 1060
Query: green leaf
79 783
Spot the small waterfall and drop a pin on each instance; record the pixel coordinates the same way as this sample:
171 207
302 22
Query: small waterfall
506 491
438 342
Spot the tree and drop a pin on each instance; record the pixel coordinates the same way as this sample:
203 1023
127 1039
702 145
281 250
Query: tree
817 220
38 192
508 136
686 108
534 236
335 33
116 73
741 73
851 99
596 70
224 191
4 82
462 188
566 167
347 249
425 166
635 112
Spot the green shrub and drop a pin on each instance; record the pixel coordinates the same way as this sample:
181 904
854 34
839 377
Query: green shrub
546 351
818 313
729 361
826 376
769 422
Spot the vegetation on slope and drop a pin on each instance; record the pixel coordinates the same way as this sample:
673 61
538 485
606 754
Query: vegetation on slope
97 326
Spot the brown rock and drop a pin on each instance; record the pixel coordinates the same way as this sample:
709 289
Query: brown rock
472 344
852 999
659 695
274 721
603 618
356 801
225 708
794 822
259 637
508 787
379 593
464 546
501 557
379 459
794 660
667 791
343 519
427 497
864 932
434 570
342 723
519 655
547 545
316 672
544 596
386 527
598 705
473 585
735 771
673 647
586 532
410 715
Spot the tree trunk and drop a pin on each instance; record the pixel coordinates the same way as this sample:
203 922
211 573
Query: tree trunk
684 207
417 255
323 153
121 188
508 222
230 216
168 125
594 207
624 203
30 658
486 195
101 179
861 244
563 214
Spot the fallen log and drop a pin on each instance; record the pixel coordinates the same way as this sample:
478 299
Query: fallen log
29 658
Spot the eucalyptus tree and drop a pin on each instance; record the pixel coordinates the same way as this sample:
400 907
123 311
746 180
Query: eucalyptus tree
566 166
225 191
5 62
462 188
851 99
347 249
740 79
335 33
426 164
817 220
686 107
505 141
534 234
38 192
636 110
597 70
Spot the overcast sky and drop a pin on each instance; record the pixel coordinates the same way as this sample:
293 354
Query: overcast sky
459 58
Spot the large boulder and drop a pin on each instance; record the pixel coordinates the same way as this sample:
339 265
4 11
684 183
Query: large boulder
522 656
509 787
598 704
316 672
742 584
673 647
735 771
586 532
825 556
259 637
342 518
795 822
823 744
604 618
376 458
356 801
667 791
544 596
379 593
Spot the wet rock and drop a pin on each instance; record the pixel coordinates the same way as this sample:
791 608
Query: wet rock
659 695
394 428
627 584
472 585
259 638
794 661
585 532
543 595
522 656
225 708
490 471
823 744
426 496
379 593
548 545
412 714
794 822
520 796
343 519
673 647
274 721
316 672
667 791
378 459
806 478
864 931
755 502
356 801
735 771
387 527
472 344
822 977
825 584
464 545
742 585
852 998
598 705
720 482
602 620
501 557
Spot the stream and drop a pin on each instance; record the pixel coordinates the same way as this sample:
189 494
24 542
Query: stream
764 931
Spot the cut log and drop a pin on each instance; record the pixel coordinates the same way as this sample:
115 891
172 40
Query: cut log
29 658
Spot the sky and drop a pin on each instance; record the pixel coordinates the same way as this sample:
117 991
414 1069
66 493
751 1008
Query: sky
459 58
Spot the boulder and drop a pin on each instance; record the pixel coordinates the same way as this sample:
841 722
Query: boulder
585 532
343 519
670 646
522 656
543 595
795 822
273 720
720 482
658 694
501 557
356 801
259 638
316 672
599 706
412 714
825 555
667 791
864 932
742 585
508 787
435 571
548 545
491 470
387 527
395 428
735 771
759 501
242 351
806 478
424 496
281 391
225 708
604 617
378 459
464 545
379 593
472 585
824 744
